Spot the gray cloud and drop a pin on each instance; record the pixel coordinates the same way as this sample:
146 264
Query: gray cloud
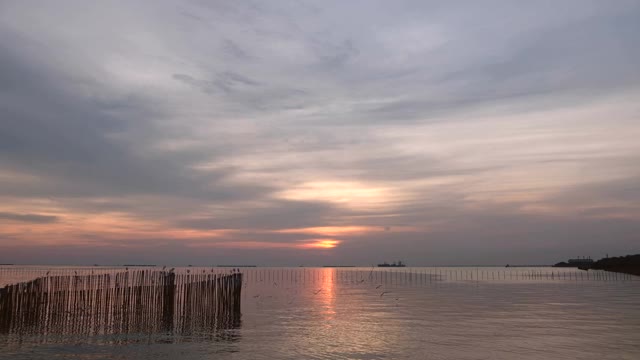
73 142
29 218
226 82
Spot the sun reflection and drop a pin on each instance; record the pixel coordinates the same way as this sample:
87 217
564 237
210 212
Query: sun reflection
325 297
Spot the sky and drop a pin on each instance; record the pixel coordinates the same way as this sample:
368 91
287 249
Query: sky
318 132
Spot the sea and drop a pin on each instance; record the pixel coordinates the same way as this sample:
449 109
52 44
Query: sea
379 313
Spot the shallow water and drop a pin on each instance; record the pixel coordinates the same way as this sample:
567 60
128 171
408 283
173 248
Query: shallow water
411 313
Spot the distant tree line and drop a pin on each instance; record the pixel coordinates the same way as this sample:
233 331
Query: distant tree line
629 264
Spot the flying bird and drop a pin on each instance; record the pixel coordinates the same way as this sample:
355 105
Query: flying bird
384 292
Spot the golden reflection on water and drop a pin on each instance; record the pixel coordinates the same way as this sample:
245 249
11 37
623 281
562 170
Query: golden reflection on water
326 295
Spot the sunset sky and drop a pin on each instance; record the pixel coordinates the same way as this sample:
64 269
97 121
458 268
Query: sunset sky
318 132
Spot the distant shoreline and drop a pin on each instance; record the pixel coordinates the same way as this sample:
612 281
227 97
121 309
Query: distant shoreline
629 264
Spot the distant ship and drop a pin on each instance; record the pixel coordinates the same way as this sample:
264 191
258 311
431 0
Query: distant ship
398 264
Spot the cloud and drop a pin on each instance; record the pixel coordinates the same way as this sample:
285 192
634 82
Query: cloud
275 214
29 218
226 82
252 130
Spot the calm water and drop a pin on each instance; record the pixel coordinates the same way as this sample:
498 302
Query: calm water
412 313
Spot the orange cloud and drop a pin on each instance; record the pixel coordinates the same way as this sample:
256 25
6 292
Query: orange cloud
320 244
332 230
357 195
249 244
253 244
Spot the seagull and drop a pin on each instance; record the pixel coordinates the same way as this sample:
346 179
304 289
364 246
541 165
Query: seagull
378 287
384 292
316 292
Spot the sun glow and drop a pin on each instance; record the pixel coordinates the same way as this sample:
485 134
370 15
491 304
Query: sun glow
321 244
